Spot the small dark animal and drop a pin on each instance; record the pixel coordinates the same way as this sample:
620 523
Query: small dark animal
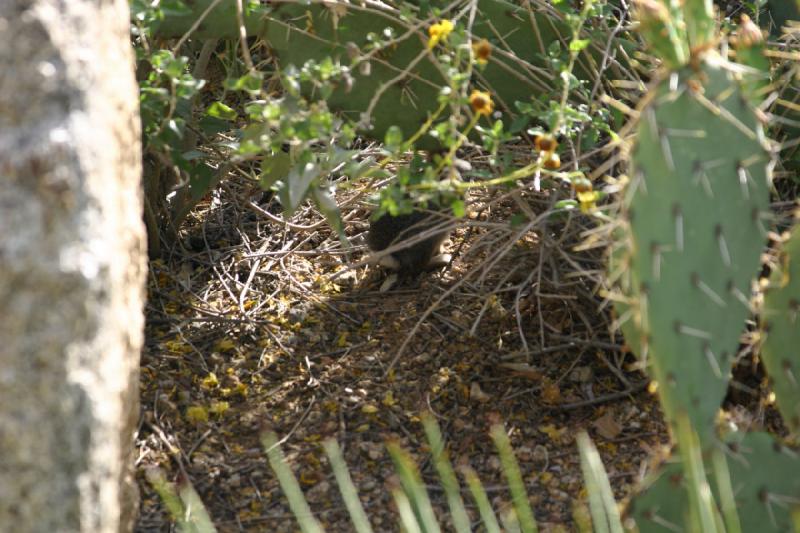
415 258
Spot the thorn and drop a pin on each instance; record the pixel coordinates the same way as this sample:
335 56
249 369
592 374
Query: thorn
770 172
766 215
666 151
767 502
666 524
787 369
616 275
635 184
724 95
673 82
692 332
655 249
724 114
700 177
676 90
713 296
650 114
784 500
738 294
712 360
622 319
677 213
744 180
723 246
752 160
756 218
643 303
791 453
643 184
691 134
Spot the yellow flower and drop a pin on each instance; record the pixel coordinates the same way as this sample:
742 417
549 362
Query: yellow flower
587 200
481 102
481 50
439 32
552 161
197 414
581 184
545 143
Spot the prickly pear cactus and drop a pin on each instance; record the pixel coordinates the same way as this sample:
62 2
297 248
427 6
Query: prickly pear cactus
694 207
780 325
764 475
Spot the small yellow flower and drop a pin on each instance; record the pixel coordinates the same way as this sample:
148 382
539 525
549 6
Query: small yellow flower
439 32
545 143
552 161
481 102
219 408
481 50
197 414
587 200
210 381
581 184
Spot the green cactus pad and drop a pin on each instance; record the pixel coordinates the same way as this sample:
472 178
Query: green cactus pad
695 202
765 478
780 324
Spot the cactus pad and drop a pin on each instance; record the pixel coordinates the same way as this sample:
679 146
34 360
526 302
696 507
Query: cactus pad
694 205
765 478
780 322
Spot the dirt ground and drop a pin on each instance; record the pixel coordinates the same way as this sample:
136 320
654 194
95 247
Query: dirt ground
256 324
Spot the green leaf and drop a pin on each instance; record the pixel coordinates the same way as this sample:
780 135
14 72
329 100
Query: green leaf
458 207
449 481
566 204
212 125
522 508
250 82
578 44
275 168
518 124
201 180
220 110
297 184
291 488
326 203
346 487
